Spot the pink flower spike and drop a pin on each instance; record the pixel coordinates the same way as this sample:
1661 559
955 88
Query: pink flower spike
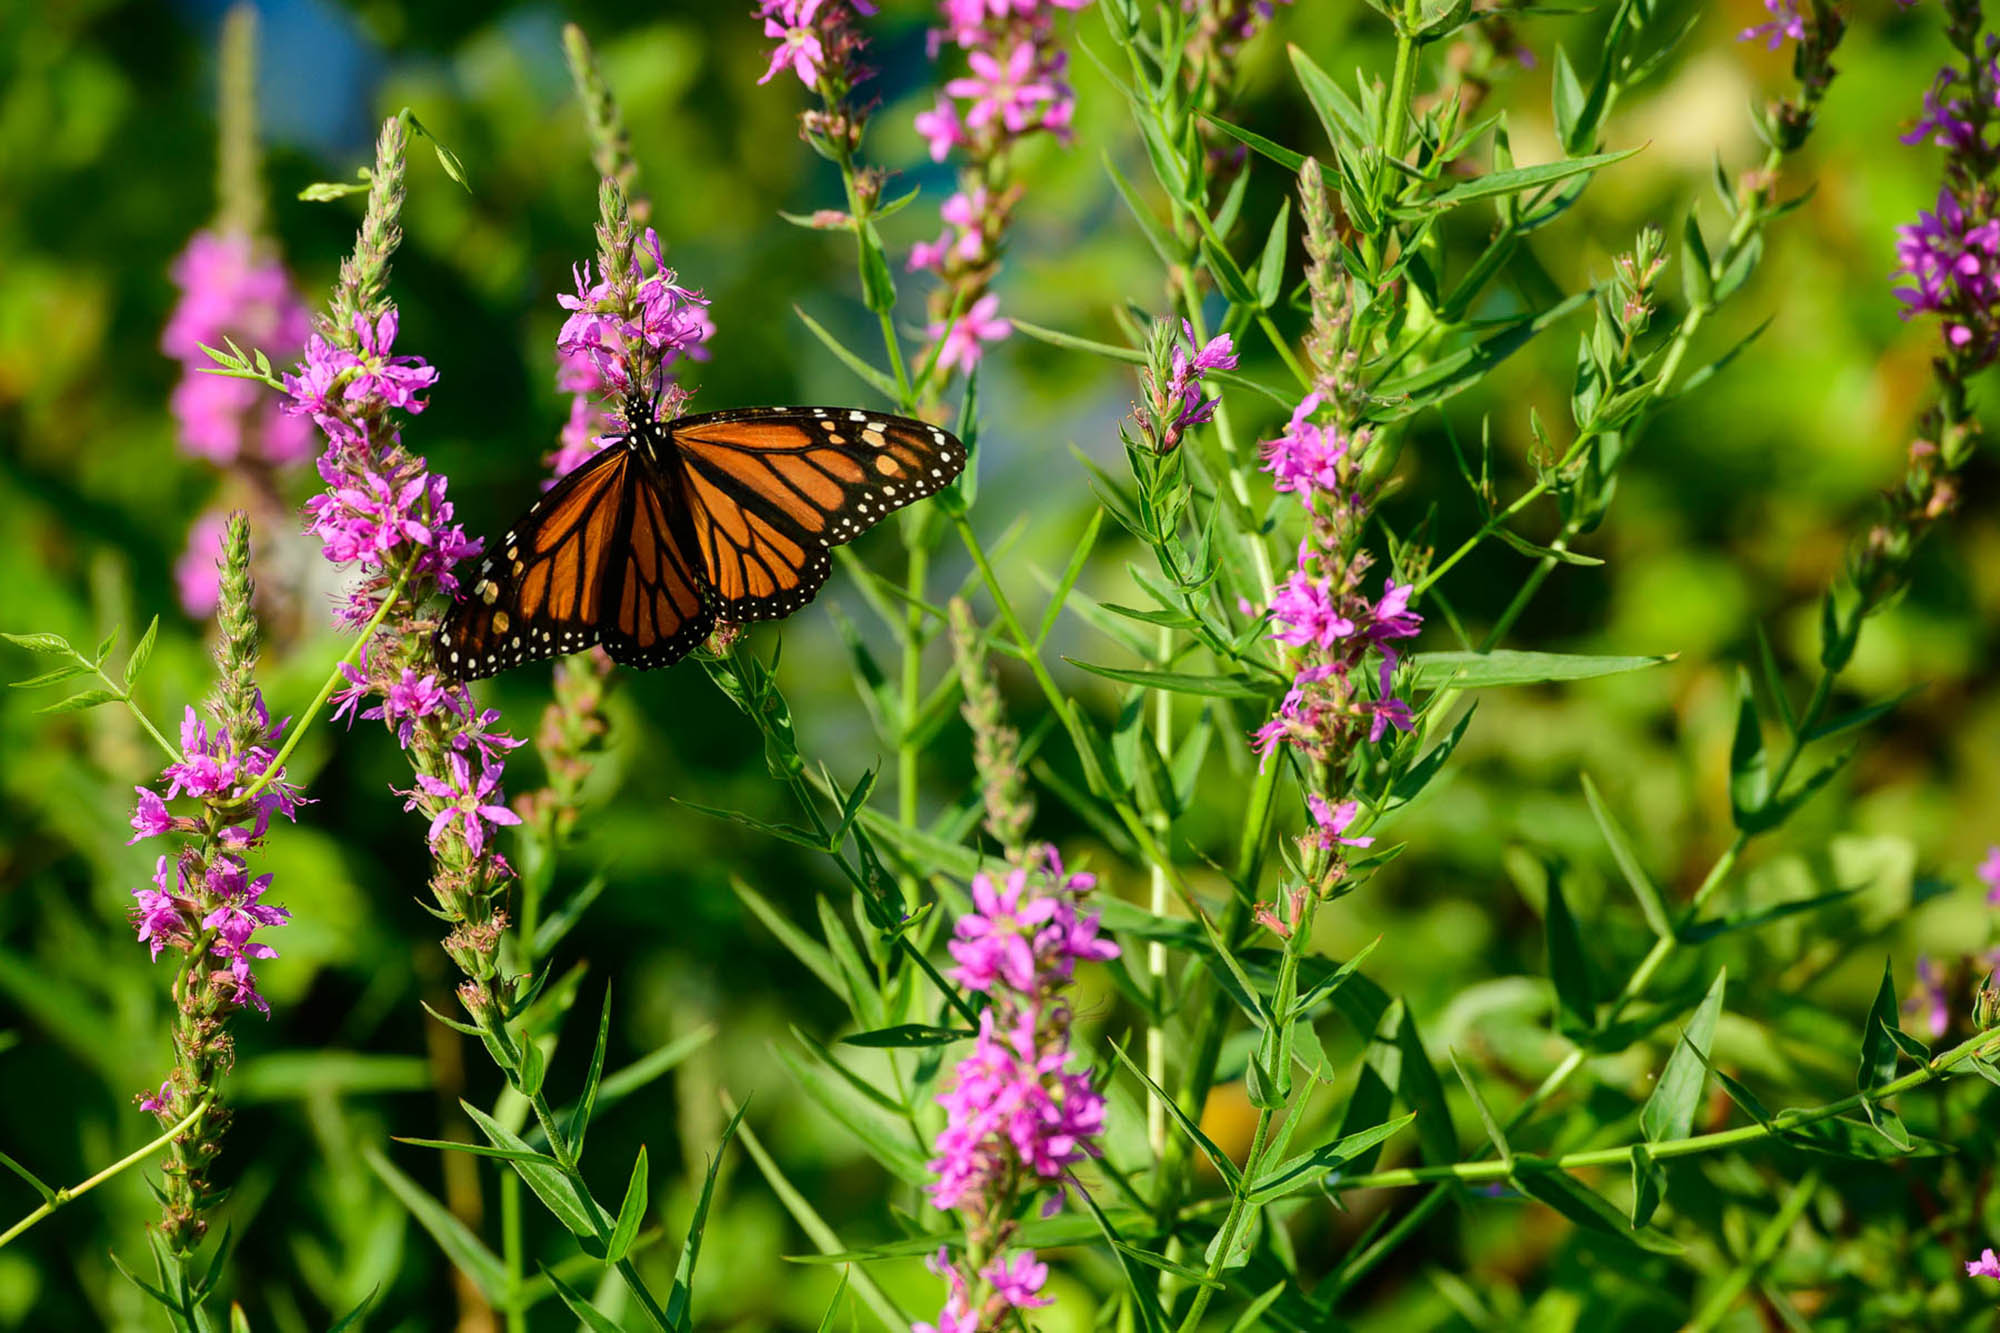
1989 874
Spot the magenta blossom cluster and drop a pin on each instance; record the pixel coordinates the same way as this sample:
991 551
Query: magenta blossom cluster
383 514
601 350
190 897
1784 22
1989 875
230 292
1018 1115
1949 119
1013 87
1320 610
813 35
1184 388
1949 265
1005 1284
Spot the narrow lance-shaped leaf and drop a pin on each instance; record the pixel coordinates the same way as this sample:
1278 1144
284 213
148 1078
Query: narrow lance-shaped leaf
1650 902
1569 970
1749 766
631 1213
1669 1112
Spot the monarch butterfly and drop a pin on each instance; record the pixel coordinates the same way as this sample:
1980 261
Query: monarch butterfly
674 525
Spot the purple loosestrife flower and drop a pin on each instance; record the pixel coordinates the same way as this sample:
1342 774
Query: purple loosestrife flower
605 347
473 803
1332 821
963 343
1786 23
1018 1116
1952 267
811 35
1986 1265
1319 610
1989 875
1014 87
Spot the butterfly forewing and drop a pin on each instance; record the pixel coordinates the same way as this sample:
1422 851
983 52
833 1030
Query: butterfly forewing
771 490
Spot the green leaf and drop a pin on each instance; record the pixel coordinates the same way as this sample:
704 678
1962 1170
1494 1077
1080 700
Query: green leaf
1649 1185
320 192
631 1213
1271 265
1471 671
579 1305
1156 235
76 703
35 1181
1144 1299
1301 1172
586 1102
1071 572
446 158
1749 767
870 376
1345 124
1221 685
1220 1160
41 643
562 1194
801 945
1513 182
1650 902
352 1317
878 284
1878 1046
1569 969
823 1236
1860 717
905 1036
1420 774
1697 277
61 673
1494 1132
1257 143
869 1122
1700 932
468 1254
1133 357
680 1300
1669 1112
480 1150
1551 1185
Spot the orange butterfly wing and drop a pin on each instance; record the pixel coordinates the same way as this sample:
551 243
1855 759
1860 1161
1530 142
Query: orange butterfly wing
594 561
770 491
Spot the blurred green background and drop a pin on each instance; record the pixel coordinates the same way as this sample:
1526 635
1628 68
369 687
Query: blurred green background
1734 514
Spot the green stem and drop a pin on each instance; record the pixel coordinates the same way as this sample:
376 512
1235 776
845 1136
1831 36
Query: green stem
125 697
1939 1067
916 577
326 690
513 1251
62 1196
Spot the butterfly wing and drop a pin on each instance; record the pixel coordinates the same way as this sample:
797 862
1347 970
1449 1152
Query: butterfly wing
771 490
594 561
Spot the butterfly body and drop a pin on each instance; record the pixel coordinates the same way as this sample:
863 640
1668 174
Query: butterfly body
676 525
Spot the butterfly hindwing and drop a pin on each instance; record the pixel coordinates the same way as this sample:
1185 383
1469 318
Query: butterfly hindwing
770 492
592 562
